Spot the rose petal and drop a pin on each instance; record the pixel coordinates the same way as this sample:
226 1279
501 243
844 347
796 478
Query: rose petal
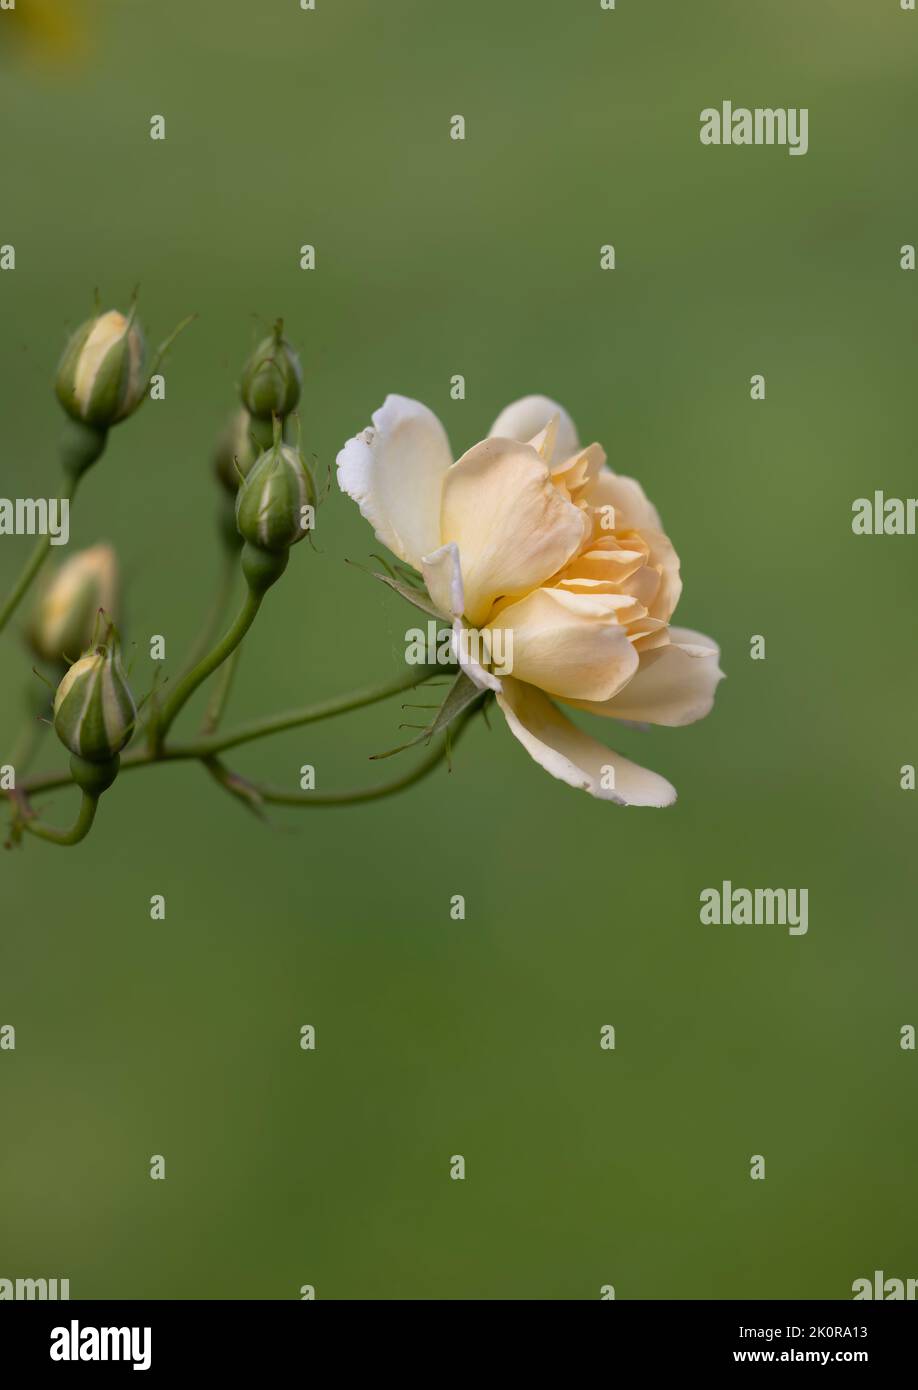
664 559
394 472
570 645
468 650
575 473
633 510
674 684
573 756
526 418
443 575
512 527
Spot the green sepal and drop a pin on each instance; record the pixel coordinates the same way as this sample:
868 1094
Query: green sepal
66 370
270 502
272 378
112 398
462 694
419 598
94 711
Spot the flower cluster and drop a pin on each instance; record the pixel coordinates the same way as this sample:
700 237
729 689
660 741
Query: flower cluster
527 546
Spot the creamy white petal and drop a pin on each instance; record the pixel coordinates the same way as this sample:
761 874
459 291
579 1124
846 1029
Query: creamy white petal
568 644
468 652
443 575
544 441
514 529
526 418
674 684
573 756
575 472
394 472
633 509
108 329
687 637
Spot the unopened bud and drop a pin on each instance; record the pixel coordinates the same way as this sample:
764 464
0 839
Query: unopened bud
235 453
272 378
276 502
94 711
66 615
100 379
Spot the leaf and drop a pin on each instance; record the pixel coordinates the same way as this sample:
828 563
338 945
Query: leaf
418 597
462 693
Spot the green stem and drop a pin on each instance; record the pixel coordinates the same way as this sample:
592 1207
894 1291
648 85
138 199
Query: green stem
256 792
32 566
218 612
220 697
295 719
206 667
77 832
246 733
204 640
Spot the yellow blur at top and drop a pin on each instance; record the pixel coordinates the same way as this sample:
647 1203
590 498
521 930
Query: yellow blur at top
51 31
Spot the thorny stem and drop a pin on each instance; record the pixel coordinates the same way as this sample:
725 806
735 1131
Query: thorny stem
209 747
256 793
311 714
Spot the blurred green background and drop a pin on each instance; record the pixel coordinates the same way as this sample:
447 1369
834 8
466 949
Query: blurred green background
434 257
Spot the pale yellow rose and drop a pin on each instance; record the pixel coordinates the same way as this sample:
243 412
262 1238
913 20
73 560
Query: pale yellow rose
532 534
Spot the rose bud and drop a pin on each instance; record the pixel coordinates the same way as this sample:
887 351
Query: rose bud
65 617
94 711
272 378
275 502
100 379
235 453
275 508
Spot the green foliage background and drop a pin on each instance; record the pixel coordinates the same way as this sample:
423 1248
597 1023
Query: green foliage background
482 1038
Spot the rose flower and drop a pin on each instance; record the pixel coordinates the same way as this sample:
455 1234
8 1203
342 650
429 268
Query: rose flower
532 534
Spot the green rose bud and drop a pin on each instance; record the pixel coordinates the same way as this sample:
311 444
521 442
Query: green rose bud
100 379
235 453
272 378
94 711
276 504
65 617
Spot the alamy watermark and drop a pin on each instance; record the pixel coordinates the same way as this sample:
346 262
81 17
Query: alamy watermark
25 1290
490 647
81 1343
36 516
880 515
888 1289
760 125
729 906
